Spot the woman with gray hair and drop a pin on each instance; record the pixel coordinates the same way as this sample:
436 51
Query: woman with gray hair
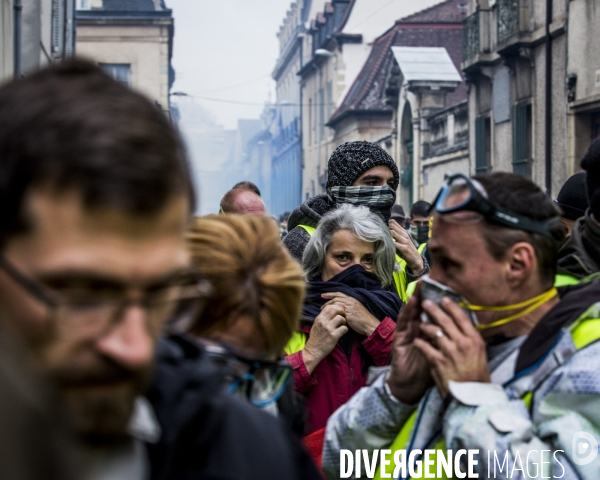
348 317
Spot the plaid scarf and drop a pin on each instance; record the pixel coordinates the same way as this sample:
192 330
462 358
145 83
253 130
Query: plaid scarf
379 199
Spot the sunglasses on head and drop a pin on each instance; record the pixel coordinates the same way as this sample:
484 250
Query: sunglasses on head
461 193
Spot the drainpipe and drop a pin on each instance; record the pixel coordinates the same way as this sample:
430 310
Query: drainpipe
318 122
548 125
18 12
301 129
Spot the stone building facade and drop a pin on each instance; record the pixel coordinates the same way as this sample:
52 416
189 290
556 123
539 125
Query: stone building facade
335 48
529 112
34 33
286 181
386 107
132 40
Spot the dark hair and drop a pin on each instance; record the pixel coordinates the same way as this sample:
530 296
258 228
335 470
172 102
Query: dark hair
246 185
72 126
523 197
420 209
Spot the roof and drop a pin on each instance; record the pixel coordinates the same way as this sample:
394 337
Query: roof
445 12
426 64
126 9
418 30
129 5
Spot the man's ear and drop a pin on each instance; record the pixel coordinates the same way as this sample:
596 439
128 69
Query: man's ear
521 263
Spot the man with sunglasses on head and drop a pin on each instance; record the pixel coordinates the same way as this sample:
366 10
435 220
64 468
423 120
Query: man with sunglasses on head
488 356
96 199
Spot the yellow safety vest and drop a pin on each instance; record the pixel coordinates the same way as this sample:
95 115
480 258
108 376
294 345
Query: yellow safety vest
584 332
562 280
410 289
399 277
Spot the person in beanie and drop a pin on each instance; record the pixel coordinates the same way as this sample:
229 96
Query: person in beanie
572 200
359 173
580 254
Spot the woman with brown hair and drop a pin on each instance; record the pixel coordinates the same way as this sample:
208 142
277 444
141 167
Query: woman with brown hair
253 308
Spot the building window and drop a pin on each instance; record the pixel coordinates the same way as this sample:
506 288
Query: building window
522 140
483 145
119 71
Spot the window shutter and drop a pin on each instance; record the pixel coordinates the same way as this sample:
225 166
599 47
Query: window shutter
520 160
480 146
70 29
58 28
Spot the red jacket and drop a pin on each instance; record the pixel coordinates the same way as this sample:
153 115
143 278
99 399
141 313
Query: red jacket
336 378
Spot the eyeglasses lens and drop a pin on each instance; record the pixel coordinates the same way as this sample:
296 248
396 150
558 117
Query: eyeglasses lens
90 317
269 383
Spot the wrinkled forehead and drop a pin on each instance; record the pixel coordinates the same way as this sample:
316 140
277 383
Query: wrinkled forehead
65 236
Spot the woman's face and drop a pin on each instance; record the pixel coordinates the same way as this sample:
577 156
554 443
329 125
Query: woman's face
346 250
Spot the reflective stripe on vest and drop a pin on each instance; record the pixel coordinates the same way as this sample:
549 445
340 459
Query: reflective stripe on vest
584 332
562 280
410 289
308 229
296 343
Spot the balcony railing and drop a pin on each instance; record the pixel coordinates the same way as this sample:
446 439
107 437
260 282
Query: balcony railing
445 135
509 16
471 36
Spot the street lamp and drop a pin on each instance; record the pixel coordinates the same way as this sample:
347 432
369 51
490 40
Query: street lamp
321 52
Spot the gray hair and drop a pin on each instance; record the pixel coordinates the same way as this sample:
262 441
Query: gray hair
365 225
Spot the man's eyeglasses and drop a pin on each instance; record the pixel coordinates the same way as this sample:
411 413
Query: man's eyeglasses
463 194
261 382
90 314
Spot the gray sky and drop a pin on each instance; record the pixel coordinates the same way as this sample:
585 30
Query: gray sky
220 44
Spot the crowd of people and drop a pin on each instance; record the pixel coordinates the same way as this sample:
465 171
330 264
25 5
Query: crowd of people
140 342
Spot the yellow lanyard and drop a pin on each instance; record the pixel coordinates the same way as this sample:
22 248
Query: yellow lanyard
527 306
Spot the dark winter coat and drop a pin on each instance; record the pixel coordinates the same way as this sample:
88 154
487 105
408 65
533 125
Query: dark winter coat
309 213
580 254
209 434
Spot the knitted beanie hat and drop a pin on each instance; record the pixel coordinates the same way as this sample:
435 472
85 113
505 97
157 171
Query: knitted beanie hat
591 164
572 199
398 213
350 160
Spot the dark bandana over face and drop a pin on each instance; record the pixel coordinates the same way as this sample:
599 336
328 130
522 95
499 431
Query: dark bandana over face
379 199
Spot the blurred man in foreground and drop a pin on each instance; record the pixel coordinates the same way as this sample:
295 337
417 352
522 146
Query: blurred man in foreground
96 196
487 356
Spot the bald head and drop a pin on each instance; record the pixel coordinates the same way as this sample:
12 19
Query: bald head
242 201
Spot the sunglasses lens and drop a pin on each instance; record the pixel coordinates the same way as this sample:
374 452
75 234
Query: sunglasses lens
455 194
